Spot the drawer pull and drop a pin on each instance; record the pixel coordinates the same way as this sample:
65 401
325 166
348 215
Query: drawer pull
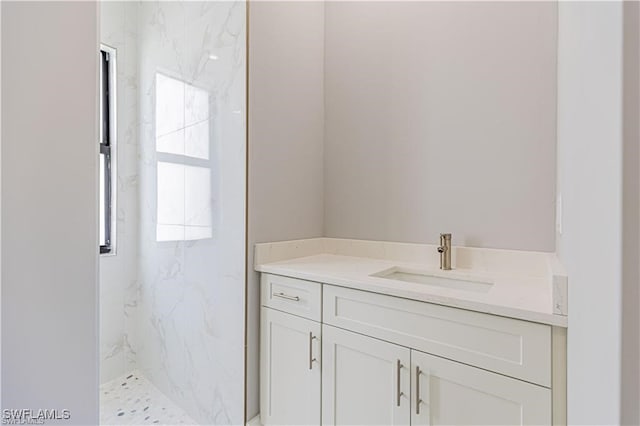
286 296
418 400
311 358
398 391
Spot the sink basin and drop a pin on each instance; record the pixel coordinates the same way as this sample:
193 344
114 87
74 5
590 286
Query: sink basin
427 278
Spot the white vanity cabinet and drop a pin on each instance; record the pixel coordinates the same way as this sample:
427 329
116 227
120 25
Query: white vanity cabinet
365 381
338 356
290 351
445 392
290 369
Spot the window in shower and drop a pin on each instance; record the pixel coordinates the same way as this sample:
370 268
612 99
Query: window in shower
107 139
184 175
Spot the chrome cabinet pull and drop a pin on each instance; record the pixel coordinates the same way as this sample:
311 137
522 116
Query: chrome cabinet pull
418 400
398 391
311 358
286 296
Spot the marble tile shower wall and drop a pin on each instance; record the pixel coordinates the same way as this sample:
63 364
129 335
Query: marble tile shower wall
172 300
190 310
118 273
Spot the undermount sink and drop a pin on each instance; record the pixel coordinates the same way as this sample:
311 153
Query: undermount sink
427 278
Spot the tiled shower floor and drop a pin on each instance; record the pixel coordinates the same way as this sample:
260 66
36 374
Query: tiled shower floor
133 400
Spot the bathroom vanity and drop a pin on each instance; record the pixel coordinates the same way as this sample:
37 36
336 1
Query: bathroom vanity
372 333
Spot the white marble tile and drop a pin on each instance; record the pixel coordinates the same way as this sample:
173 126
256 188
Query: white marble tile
197 105
119 22
197 142
190 339
174 308
172 142
169 101
198 206
171 187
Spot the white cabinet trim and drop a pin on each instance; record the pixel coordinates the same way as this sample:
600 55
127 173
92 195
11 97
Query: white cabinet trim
299 366
396 404
491 358
511 347
302 298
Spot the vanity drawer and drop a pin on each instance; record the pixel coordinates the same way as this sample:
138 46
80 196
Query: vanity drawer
298 297
515 348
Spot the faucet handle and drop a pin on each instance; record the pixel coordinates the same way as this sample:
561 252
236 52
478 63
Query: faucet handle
445 251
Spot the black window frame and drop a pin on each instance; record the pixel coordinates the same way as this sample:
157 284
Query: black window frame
105 149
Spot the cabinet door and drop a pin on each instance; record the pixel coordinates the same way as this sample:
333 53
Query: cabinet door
290 369
449 393
365 381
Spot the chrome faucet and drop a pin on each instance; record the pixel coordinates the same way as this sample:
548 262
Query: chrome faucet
445 252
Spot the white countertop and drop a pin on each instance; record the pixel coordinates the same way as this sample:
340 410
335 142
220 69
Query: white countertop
512 295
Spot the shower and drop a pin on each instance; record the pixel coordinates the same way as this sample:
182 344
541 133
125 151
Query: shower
173 194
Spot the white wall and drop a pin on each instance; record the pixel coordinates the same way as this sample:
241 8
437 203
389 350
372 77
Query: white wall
590 182
118 271
441 117
630 391
49 187
285 141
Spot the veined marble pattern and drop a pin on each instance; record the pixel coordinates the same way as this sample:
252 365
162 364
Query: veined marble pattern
133 400
190 306
118 272
173 306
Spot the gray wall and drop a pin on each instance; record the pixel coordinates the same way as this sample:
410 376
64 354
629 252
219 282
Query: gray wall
49 187
285 141
590 181
630 392
441 116
353 131
0 207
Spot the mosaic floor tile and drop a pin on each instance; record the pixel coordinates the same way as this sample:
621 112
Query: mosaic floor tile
133 400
